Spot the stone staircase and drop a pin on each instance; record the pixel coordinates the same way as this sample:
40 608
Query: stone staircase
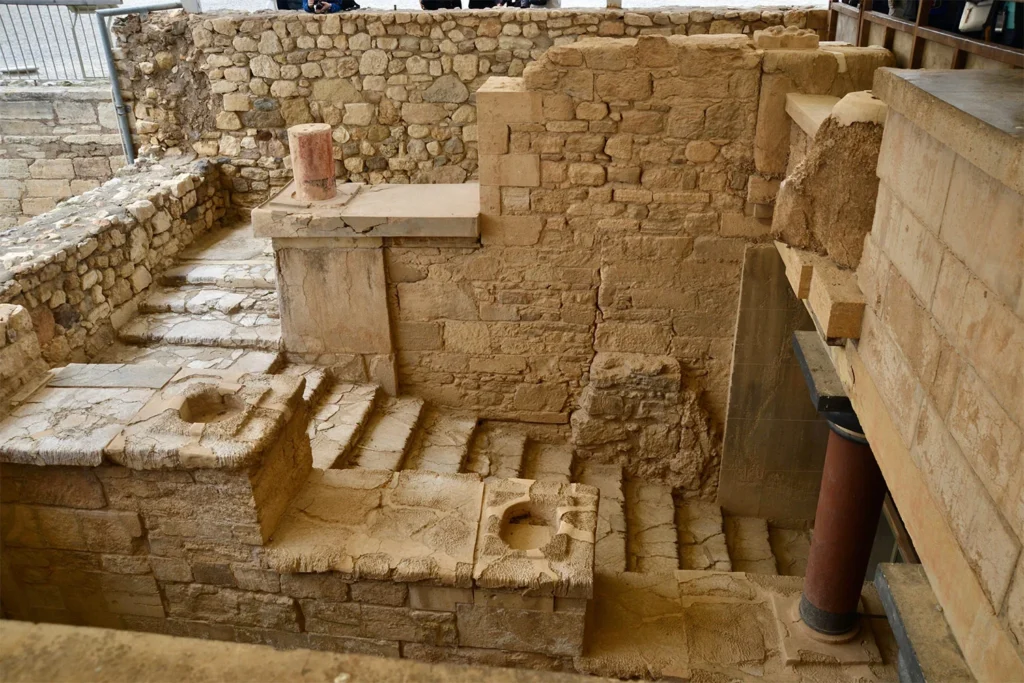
217 308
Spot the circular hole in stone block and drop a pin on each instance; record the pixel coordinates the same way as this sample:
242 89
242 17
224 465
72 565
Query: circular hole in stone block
210 405
527 526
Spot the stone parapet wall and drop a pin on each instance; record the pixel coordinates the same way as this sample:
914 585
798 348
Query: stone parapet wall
943 344
397 86
55 142
20 359
80 268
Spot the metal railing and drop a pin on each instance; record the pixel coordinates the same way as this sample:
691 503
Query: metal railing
52 40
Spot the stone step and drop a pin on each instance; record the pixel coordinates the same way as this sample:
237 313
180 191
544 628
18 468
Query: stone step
339 421
205 299
610 545
254 274
442 442
231 331
701 536
497 451
229 243
790 548
318 381
198 357
749 547
547 462
388 435
651 535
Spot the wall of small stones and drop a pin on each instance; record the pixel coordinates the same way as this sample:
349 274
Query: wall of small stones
397 86
56 141
80 268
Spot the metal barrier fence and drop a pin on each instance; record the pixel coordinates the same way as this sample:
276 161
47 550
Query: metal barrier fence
52 40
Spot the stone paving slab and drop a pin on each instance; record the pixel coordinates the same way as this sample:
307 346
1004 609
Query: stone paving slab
234 243
226 274
443 444
387 526
68 426
651 527
547 462
241 330
197 300
610 543
387 437
111 375
749 547
497 451
196 357
701 536
339 421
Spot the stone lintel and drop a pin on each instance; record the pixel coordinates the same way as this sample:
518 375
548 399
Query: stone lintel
361 211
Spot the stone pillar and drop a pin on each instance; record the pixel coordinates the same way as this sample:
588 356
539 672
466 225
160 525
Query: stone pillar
312 153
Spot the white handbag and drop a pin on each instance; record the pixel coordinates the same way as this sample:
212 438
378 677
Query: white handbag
975 15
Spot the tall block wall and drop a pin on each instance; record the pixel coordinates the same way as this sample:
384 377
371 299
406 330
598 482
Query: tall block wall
943 344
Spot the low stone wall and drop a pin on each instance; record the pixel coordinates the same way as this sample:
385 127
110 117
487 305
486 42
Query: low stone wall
55 142
397 86
20 359
79 268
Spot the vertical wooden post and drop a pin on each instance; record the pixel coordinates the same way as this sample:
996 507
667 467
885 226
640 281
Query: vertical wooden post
917 49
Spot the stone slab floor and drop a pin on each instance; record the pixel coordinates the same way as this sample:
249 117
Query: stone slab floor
681 592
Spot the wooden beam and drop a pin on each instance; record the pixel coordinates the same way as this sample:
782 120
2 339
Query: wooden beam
799 268
917 47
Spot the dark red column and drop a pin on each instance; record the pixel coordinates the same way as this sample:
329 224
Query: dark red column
849 505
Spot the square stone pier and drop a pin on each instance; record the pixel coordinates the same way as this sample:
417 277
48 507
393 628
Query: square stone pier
332 283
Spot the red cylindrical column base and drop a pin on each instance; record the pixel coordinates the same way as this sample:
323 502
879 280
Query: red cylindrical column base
312 155
849 505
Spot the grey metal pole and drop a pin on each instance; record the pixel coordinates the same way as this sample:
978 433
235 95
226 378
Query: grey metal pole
115 85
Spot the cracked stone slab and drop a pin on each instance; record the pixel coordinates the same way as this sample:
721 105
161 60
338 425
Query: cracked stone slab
260 274
339 421
497 451
537 538
106 375
610 536
195 357
234 243
408 526
651 528
198 300
387 437
68 426
749 547
444 442
790 547
241 330
547 462
208 419
701 536
360 210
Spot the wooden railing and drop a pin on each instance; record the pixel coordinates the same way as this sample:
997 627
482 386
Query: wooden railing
922 33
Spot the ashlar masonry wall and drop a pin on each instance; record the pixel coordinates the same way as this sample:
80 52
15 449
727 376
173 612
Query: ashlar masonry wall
55 142
942 350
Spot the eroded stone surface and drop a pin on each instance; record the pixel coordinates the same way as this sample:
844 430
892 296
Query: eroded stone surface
651 525
208 419
229 330
701 536
339 421
196 357
388 436
372 524
443 444
749 547
537 538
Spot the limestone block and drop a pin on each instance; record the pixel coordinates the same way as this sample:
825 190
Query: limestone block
333 300
555 633
510 170
438 598
506 100
52 169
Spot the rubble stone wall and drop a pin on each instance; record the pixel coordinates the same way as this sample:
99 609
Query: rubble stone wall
943 341
80 268
181 552
55 142
397 86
